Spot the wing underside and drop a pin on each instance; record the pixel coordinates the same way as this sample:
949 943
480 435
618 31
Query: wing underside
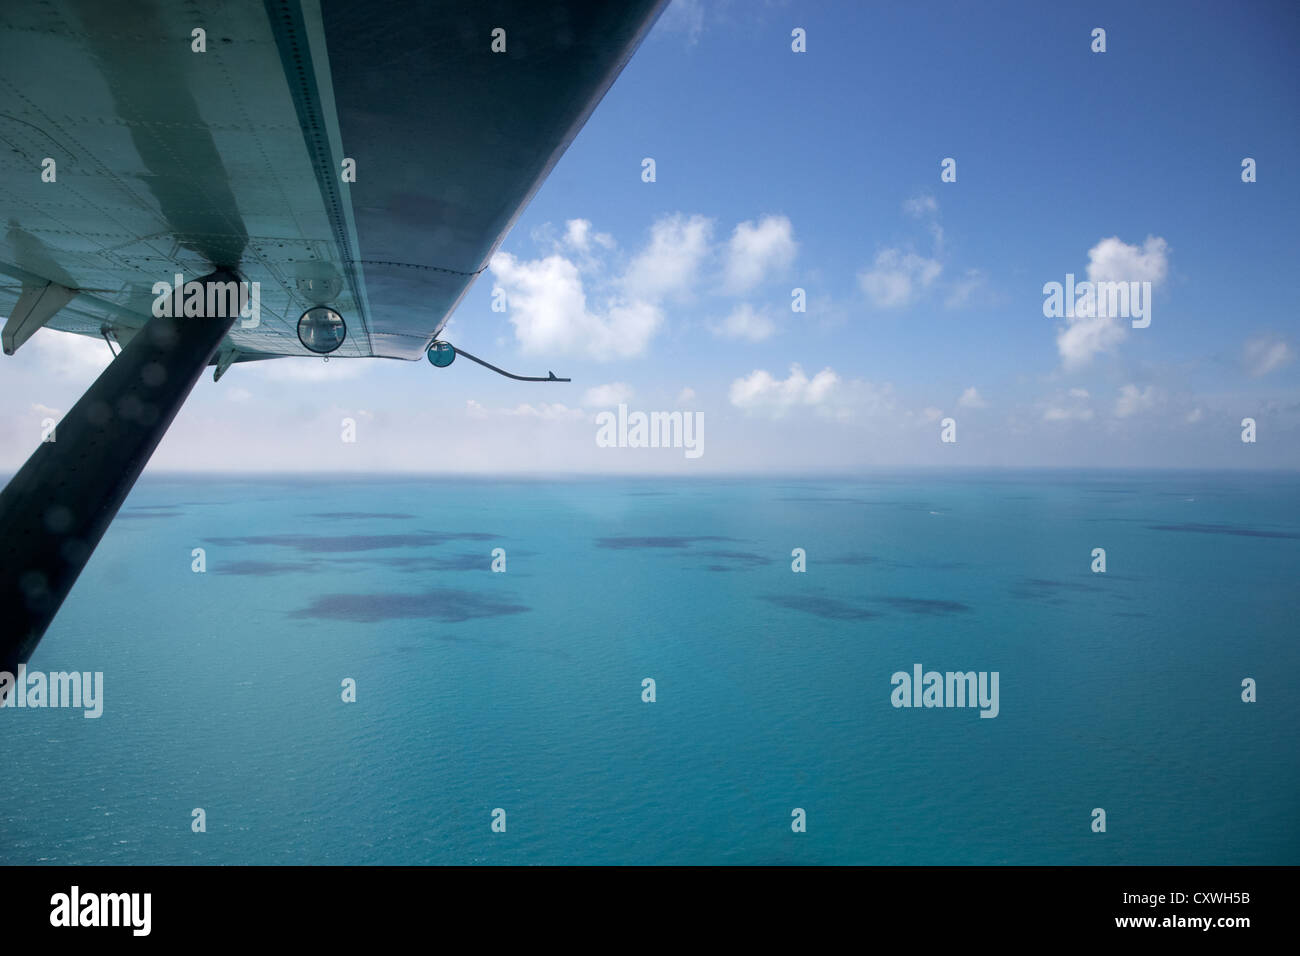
167 160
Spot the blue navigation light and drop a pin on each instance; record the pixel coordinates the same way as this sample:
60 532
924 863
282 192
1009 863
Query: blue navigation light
442 354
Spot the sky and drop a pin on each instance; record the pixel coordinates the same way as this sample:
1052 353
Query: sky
820 170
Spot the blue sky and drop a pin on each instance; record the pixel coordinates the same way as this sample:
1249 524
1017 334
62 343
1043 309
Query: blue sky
821 170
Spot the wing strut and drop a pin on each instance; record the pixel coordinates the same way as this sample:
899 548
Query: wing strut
57 507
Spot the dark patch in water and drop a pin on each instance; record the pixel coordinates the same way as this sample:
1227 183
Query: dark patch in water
926 605
663 541
1052 592
440 604
829 608
323 544
1044 589
855 560
264 567
1223 529
455 562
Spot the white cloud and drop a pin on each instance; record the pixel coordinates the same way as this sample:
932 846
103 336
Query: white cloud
1133 400
1111 260
1056 413
1083 338
746 323
1070 407
670 265
686 395
572 302
1265 354
971 398
756 252
685 17
897 277
966 289
66 355
761 391
548 308
1194 416
578 235
602 396
545 411
921 206
292 369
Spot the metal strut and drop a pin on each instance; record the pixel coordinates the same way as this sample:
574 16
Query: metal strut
107 333
57 507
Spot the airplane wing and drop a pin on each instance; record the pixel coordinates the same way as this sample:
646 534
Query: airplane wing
172 153
363 158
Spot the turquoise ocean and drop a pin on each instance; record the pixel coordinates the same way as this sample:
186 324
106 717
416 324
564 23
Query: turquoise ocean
523 690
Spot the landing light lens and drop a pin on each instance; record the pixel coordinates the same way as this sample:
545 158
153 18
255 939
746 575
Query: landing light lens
321 330
442 354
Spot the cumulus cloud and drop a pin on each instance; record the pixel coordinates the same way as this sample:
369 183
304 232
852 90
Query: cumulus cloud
972 286
761 391
897 277
1057 413
758 251
921 207
293 370
1264 354
578 235
583 297
747 323
601 396
1133 400
66 355
669 266
1079 341
1073 406
543 411
1111 260
971 398
548 309
685 17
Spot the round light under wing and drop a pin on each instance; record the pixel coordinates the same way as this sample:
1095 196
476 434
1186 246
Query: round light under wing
321 330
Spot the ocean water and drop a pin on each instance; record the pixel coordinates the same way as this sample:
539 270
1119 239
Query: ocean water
523 690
